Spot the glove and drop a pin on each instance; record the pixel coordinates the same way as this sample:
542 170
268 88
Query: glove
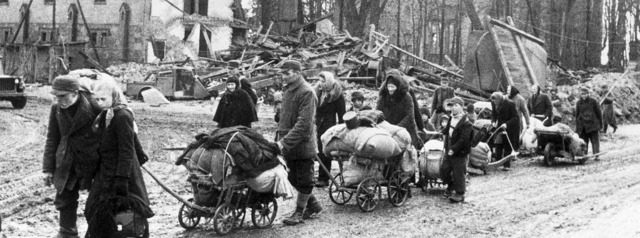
450 152
48 179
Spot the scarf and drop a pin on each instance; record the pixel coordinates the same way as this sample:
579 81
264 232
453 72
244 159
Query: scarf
330 90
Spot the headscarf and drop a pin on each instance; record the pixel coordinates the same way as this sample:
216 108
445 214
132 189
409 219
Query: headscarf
514 91
401 85
330 90
119 101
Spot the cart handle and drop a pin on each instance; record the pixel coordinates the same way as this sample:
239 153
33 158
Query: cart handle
172 193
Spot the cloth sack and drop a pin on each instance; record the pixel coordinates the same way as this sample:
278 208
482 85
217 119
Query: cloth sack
480 156
399 134
272 181
354 172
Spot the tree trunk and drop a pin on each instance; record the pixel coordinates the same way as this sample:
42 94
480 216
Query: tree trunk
357 18
594 46
534 16
283 13
442 27
476 24
618 36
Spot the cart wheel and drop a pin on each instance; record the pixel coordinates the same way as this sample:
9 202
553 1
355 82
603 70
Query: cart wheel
264 213
548 150
338 196
366 194
224 219
397 190
188 217
239 221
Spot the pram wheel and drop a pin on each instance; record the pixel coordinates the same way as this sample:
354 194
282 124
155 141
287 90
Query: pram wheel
338 196
548 159
366 194
188 217
224 219
264 213
397 190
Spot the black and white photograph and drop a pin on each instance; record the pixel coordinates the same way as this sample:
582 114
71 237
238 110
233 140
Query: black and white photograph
319 118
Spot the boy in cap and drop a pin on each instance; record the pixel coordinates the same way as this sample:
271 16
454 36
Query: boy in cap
457 135
588 120
358 102
71 149
296 138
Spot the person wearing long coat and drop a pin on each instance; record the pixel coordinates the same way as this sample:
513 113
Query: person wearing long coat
441 94
71 150
540 106
236 106
588 120
411 82
608 115
331 105
505 116
118 185
521 107
397 106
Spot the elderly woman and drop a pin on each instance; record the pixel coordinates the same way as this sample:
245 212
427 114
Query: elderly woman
331 106
118 186
396 104
236 106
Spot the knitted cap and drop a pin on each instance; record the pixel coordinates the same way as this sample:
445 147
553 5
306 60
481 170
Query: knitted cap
64 85
292 65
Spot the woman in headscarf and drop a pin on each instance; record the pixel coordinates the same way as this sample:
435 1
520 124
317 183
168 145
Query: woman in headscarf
331 104
397 106
118 186
235 107
246 86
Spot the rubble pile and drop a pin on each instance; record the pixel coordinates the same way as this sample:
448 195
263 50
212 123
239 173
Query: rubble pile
624 91
134 72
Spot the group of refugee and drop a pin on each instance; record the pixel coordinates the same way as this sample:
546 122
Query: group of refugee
92 138
92 144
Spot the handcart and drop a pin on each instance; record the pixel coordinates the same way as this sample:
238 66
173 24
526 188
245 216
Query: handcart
225 207
553 143
369 191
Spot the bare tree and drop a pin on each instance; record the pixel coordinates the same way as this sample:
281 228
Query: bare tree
357 17
618 35
476 24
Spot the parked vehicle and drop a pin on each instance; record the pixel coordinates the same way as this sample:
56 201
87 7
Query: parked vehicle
177 83
12 89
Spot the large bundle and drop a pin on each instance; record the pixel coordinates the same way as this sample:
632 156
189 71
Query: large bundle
272 181
399 134
430 159
363 141
357 169
480 156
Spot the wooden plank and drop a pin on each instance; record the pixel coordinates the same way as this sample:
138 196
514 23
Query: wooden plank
496 43
22 22
425 61
523 53
517 31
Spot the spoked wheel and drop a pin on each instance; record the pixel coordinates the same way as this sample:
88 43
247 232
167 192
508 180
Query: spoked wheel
240 213
337 196
366 194
549 149
264 213
224 219
188 217
397 190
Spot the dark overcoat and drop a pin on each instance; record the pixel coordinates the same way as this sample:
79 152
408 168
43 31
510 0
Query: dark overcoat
588 116
71 144
540 104
398 108
460 140
506 113
235 109
327 112
296 126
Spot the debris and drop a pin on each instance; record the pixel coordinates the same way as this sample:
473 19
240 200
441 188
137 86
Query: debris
154 97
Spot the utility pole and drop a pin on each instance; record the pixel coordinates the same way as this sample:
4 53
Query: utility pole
53 23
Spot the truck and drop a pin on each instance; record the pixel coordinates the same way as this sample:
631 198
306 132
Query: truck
12 89
177 83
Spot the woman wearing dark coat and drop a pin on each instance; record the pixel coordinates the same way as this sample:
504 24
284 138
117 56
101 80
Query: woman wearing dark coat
246 86
235 107
588 120
397 106
118 186
331 105
505 115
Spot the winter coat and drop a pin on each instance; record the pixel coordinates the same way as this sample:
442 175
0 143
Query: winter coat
521 104
71 144
327 112
365 106
540 104
460 140
439 96
296 127
416 111
506 113
588 116
235 108
246 86
118 160
608 115
398 108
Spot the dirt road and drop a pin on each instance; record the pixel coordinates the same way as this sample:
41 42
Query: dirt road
598 199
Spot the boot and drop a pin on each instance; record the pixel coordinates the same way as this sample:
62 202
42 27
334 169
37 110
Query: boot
67 221
447 193
296 217
313 208
456 198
